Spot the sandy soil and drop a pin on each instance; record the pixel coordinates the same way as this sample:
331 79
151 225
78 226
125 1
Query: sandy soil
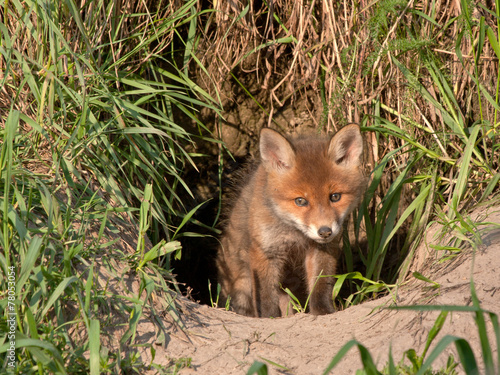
221 342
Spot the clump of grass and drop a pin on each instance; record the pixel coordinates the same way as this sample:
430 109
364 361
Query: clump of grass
92 97
412 363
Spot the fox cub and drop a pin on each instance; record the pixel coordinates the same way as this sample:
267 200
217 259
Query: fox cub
283 230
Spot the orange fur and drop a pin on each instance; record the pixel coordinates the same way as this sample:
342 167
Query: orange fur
284 228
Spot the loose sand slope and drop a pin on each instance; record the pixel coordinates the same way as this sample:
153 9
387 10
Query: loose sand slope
220 342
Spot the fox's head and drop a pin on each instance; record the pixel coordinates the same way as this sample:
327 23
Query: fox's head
313 183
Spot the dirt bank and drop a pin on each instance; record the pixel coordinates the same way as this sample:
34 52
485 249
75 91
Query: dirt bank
217 341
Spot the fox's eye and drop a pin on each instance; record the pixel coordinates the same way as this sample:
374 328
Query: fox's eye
301 202
335 197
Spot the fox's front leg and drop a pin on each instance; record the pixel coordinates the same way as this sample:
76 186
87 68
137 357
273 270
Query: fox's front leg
320 262
265 284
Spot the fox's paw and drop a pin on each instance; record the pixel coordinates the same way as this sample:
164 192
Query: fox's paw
321 307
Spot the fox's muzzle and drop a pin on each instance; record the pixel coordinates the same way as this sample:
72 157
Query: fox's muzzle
325 232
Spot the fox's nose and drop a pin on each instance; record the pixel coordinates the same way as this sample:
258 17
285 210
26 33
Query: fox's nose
325 232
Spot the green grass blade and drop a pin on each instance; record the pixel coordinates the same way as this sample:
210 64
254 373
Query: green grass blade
451 122
159 250
94 346
33 330
135 316
467 358
6 163
496 330
406 214
340 354
465 354
391 366
464 172
490 187
88 289
486 351
186 218
58 293
419 276
34 346
493 41
436 328
258 368
29 262
366 358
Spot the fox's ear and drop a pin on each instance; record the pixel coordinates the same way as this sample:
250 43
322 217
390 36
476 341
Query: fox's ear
346 146
275 151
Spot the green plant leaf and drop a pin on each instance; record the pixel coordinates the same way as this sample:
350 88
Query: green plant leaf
29 262
58 292
94 346
436 328
258 368
419 276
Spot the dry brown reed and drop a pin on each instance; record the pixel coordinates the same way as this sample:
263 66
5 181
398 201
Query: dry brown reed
344 48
